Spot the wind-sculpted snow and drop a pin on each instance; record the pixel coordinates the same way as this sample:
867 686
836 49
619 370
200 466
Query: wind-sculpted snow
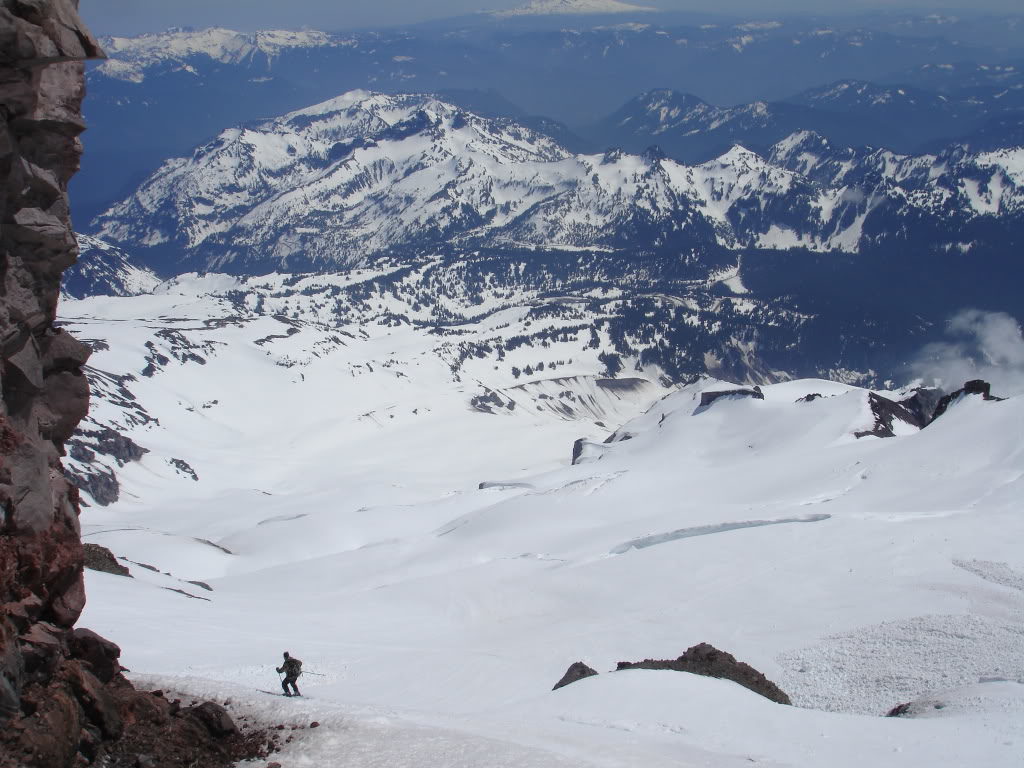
365 174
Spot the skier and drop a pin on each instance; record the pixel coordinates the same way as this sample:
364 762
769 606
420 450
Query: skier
292 668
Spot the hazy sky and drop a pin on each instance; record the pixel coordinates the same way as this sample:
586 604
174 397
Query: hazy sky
107 17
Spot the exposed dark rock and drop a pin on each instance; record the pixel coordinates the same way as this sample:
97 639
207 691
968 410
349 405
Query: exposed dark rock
93 477
184 468
99 558
98 652
707 660
810 398
973 387
100 483
576 671
225 550
707 398
98 703
110 443
886 413
490 401
216 719
916 708
923 403
622 385
186 594
577 449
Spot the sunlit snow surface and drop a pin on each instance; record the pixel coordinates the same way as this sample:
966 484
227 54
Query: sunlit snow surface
337 515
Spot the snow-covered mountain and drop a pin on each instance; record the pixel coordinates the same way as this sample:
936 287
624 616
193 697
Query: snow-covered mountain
848 113
129 58
365 174
105 270
341 493
569 7
136 98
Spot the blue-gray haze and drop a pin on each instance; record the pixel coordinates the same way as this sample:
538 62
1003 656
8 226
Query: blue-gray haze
126 17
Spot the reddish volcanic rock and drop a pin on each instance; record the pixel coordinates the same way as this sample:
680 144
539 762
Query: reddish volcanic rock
63 700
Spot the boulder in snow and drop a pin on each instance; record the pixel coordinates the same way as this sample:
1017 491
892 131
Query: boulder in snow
576 671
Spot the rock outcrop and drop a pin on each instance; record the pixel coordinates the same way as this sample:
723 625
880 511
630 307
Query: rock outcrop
45 392
887 414
704 659
973 387
707 398
99 558
574 673
63 699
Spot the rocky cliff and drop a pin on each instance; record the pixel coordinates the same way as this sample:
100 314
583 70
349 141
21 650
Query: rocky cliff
63 700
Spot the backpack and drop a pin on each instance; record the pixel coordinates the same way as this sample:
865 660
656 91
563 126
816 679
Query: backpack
296 666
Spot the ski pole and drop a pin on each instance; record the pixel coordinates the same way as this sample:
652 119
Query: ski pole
313 673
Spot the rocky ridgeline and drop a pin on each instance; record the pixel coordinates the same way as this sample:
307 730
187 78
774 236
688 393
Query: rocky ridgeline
701 659
63 699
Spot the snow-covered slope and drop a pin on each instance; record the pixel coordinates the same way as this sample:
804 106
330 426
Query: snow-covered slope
364 174
181 351
568 7
440 564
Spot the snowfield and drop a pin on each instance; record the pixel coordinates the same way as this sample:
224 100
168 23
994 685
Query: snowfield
439 566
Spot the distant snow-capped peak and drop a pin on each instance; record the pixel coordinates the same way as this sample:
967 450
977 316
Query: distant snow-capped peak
131 56
559 7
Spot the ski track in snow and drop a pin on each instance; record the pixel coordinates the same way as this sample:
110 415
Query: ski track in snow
871 670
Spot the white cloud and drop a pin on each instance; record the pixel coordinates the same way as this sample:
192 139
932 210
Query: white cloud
980 345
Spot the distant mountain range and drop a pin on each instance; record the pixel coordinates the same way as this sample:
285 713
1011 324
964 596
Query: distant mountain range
848 113
364 175
576 70
572 7
812 259
828 233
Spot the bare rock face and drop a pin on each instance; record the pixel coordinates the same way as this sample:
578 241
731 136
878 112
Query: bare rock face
99 558
63 700
973 387
45 392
